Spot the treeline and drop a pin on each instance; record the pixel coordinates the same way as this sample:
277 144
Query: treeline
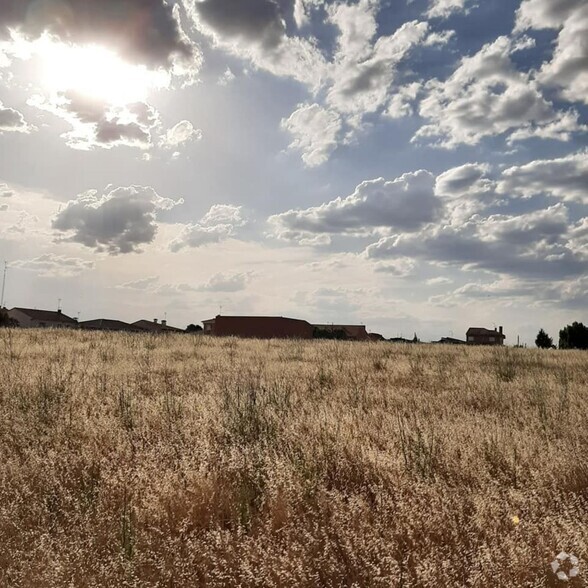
574 336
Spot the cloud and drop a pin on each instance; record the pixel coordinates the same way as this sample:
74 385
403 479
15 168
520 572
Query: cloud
537 293
255 30
486 96
438 281
568 69
565 178
534 245
12 121
218 224
406 203
52 265
255 21
6 192
226 214
182 132
227 77
466 190
315 131
3 207
445 8
464 180
545 14
119 221
142 284
362 85
143 31
98 124
402 100
357 27
227 282
401 267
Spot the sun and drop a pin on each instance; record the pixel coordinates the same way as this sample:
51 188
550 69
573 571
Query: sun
98 73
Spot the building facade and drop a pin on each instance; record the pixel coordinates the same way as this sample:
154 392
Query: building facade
258 327
349 332
482 336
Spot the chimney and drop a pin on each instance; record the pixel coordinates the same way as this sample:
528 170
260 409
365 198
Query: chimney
59 311
500 330
155 321
163 323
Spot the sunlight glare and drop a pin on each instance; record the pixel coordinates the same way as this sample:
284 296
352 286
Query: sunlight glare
98 73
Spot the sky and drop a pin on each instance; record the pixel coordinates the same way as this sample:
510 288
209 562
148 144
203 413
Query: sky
417 166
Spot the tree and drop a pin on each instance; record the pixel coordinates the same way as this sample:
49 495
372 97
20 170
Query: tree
543 340
192 328
574 336
5 320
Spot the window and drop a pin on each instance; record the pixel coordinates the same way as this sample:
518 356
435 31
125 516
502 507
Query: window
470 338
492 339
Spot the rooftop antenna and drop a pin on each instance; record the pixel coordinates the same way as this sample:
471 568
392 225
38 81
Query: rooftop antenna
58 304
3 284
220 309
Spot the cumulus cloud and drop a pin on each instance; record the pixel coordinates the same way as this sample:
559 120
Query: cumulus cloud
256 30
534 245
402 101
227 282
255 21
315 131
218 224
181 133
119 221
144 31
362 85
568 69
444 8
565 178
464 180
485 96
545 14
406 203
466 190
98 124
12 121
52 265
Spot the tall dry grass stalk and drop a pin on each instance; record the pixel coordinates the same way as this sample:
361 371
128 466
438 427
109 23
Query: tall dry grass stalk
179 461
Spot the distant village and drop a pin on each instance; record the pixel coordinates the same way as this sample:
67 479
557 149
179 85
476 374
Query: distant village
254 327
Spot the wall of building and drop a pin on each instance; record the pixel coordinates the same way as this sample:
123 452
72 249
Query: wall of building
261 327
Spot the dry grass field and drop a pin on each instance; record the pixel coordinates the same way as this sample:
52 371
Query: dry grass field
131 460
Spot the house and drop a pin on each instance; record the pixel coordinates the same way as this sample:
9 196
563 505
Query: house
108 325
482 336
376 337
31 318
349 332
450 341
258 327
400 340
155 326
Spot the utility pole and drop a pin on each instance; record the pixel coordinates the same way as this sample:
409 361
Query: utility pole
3 284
